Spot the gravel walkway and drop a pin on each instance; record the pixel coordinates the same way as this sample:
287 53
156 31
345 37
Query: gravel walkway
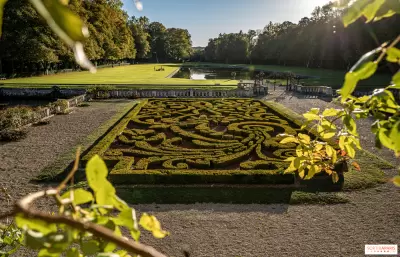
23 160
223 229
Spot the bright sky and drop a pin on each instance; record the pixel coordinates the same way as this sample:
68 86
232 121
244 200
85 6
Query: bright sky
205 19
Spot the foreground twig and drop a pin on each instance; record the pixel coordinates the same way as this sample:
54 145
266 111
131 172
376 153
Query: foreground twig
22 206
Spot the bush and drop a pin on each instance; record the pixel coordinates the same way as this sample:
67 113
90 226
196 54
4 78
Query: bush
15 117
12 135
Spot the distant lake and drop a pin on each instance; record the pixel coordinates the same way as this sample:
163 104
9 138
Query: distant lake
210 74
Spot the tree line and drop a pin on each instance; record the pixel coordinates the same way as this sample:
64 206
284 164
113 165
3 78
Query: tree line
29 47
319 41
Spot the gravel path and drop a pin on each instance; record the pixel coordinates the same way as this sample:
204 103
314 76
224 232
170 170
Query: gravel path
223 229
23 160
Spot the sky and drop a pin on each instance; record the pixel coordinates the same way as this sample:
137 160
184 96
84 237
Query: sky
205 19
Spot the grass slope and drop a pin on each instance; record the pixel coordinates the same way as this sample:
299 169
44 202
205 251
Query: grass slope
138 74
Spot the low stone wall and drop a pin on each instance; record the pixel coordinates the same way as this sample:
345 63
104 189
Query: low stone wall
40 92
47 112
165 93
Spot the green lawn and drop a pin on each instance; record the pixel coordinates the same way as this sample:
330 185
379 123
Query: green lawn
319 77
142 74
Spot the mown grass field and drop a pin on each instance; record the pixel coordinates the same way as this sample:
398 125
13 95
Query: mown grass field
142 74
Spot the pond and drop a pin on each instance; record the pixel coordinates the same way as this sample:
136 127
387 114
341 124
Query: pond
210 74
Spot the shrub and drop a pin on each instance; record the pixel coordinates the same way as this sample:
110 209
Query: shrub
9 135
15 117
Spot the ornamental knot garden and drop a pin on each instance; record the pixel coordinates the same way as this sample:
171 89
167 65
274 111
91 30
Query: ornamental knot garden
197 140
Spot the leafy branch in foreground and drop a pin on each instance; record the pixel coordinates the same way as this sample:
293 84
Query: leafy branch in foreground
314 156
91 219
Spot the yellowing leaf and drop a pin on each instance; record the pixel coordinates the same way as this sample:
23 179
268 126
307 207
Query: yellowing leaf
393 55
330 112
314 110
356 166
334 157
335 177
151 223
311 172
396 181
289 140
350 151
311 116
318 147
81 196
329 150
305 139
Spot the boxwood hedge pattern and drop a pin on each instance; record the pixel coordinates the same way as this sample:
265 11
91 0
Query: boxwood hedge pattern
198 141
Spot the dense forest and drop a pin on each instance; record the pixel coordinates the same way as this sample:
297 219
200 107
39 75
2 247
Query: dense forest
29 47
319 41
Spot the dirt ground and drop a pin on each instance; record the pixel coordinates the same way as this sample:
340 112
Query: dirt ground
221 229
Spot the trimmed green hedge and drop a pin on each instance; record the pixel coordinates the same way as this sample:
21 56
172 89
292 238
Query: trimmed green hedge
184 140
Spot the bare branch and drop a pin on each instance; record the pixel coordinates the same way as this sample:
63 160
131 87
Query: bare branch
22 206
72 172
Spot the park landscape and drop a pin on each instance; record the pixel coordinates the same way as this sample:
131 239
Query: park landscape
288 173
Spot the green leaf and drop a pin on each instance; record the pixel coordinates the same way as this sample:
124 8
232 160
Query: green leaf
393 55
81 196
48 252
2 3
90 247
350 124
135 234
151 223
395 136
371 9
34 240
96 173
396 181
354 12
289 140
122 253
311 116
396 80
330 112
126 218
108 255
350 151
62 20
314 110
385 139
388 9
34 224
367 70
73 252
350 83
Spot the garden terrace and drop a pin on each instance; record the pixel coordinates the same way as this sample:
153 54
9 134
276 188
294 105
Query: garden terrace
198 141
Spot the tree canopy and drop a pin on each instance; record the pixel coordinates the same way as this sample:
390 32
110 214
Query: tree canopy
319 41
29 46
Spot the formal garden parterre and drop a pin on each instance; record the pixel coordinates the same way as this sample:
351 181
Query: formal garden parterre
182 141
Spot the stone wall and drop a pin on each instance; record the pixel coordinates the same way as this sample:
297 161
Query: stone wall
40 92
186 93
